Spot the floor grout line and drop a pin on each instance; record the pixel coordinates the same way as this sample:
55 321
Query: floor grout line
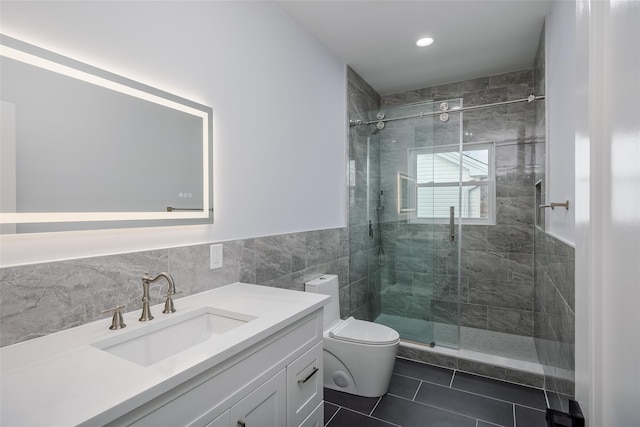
418 379
360 413
333 416
375 406
438 408
474 393
452 377
416 393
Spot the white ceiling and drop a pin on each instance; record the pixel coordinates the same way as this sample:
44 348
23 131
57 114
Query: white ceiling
473 38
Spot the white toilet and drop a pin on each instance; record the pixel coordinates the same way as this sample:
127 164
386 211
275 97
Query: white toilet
358 355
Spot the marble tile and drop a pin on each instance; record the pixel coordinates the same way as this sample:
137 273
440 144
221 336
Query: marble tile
358 293
512 78
488 96
444 312
437 359
501 294
520 267
460 89
517 322
40 299
514 181
473 316
474 237
322 246
402 98
515 210
510 238
274 256
367 98
520 91
480 265
395 304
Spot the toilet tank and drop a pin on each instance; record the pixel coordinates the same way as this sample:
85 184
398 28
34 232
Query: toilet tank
327 285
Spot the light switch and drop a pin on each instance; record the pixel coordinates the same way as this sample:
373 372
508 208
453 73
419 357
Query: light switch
216 256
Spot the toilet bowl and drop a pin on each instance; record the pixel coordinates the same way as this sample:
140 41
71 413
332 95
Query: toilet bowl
358 355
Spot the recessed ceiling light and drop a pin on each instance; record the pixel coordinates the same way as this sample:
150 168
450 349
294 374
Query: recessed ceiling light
426 41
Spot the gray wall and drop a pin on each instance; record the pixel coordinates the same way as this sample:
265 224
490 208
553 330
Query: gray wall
40 299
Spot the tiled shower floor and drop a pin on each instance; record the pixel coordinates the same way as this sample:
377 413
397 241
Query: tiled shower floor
489 342
423 395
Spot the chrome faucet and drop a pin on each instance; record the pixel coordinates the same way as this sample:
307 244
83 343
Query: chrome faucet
168 306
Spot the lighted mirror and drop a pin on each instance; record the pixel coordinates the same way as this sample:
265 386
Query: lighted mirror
82 148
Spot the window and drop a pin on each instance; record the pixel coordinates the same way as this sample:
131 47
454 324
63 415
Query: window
440 170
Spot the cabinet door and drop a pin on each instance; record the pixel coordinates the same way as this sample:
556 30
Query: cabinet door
304 385
316 419
266 406
224 420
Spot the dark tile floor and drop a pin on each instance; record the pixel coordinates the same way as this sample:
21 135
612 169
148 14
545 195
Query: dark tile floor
423 395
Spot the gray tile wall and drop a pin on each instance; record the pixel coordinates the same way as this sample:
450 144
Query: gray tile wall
554 315
40 299
363 292
497 260
554 285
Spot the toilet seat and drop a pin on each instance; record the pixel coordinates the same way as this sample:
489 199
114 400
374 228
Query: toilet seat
362 332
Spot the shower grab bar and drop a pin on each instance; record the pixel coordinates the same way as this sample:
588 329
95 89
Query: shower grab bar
452 228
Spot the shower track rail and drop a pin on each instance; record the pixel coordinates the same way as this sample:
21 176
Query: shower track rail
421 114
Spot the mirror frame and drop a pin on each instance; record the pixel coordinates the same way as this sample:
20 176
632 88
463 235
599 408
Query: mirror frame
39 57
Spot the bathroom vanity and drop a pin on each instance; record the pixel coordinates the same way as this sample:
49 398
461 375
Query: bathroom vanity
239 355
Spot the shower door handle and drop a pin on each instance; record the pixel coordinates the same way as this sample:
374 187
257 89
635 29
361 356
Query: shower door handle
452 227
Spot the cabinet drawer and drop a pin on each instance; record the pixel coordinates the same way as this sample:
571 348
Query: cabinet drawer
316 419
304 385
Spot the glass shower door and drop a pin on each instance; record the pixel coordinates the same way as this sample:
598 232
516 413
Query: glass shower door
413 263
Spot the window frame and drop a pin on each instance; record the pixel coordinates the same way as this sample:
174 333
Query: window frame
490 183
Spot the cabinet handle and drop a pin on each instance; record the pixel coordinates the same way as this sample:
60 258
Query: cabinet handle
241 423
308 376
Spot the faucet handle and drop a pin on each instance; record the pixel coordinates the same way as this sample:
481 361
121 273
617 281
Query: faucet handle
116 322
168 304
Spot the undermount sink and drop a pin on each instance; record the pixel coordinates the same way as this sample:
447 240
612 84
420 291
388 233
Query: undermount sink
163 338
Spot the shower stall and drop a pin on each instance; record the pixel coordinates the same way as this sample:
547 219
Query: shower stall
441 226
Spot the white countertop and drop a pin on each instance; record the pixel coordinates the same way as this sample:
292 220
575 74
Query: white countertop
61 379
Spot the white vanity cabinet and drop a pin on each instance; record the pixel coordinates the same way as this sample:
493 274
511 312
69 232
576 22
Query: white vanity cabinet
264 407
277 382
